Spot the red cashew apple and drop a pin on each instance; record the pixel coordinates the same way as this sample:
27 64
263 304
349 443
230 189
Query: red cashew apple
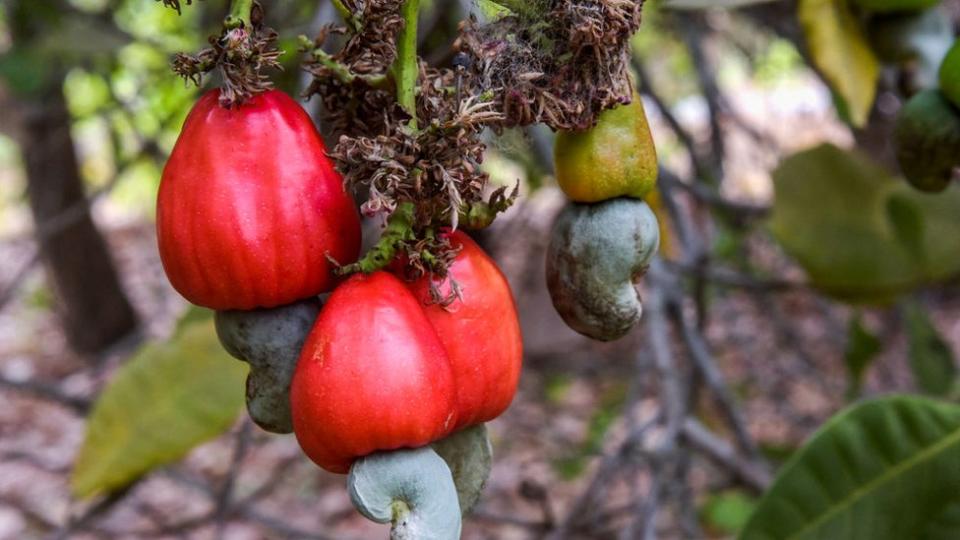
383 370
250 206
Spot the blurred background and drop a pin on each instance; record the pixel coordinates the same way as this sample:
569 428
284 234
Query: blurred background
759 325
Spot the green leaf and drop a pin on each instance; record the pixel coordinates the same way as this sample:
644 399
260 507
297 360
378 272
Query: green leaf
945 525
931 360
860 234
729 511
491 10
167 399
841 52
883 470
907 220
862 348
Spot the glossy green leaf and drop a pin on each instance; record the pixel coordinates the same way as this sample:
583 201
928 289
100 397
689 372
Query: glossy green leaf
862 349
167 399
887 469
860 234
841 52
931 359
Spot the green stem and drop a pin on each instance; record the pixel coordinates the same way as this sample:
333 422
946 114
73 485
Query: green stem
480 215
239 14
526 8
399 230
345 13
405 68
340 71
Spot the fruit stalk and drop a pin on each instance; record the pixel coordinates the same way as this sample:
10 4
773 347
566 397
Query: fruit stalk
239 14
405 68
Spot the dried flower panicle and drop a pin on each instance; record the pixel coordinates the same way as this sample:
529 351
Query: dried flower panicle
242 54
561 69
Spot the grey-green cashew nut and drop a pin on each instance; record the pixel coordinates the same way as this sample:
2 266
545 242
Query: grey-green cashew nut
596 253
270 341
469 456
411 489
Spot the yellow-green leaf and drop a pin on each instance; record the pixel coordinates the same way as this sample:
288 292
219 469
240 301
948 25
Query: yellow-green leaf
167 399
860 234
841 52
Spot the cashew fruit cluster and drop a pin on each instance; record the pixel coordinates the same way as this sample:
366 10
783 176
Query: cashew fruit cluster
927 130
604 239
252 219
384 369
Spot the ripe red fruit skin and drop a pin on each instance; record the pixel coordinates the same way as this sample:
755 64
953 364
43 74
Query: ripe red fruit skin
249 205
373 375
383 370
481 333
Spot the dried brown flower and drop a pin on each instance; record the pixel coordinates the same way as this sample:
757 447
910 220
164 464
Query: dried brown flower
562 68
242 55
561 64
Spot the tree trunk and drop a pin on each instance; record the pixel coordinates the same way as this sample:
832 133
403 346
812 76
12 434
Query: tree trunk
91 303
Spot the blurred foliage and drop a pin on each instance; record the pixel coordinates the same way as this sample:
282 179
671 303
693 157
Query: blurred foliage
840 50
727 512
863 346
164 401
862 235
111 58
931 359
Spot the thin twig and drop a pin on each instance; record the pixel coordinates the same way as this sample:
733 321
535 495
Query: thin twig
225 494
48 392
693 32
731 278
709 196
704 362
18 278
754 475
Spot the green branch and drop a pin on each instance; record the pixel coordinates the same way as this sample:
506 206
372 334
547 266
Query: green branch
340 71
239 14
405 69
399 230
345 13
526 8
480 215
